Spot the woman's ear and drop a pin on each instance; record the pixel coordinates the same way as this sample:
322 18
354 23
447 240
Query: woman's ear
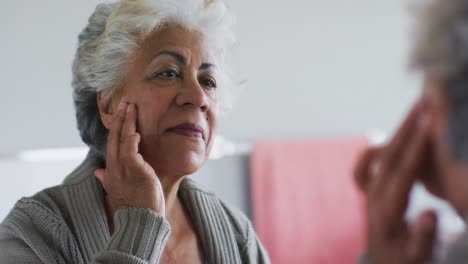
105 110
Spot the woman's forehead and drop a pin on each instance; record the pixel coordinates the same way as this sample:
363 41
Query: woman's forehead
176 39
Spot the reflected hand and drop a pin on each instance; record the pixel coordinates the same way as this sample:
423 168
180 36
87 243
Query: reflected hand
386 176
128 179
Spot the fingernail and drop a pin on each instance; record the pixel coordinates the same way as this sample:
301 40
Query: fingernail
130 108
122 106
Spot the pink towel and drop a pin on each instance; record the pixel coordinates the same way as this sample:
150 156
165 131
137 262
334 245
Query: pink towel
306 207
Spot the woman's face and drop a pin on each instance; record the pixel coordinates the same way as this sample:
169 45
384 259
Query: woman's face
172 81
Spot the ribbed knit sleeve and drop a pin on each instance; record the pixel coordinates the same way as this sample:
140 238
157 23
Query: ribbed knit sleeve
140 236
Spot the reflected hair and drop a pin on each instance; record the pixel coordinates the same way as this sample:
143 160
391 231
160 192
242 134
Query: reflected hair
441 50
116 30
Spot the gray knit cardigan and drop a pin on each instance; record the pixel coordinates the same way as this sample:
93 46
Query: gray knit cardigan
67 224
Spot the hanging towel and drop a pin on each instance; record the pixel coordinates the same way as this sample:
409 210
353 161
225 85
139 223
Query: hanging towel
306 207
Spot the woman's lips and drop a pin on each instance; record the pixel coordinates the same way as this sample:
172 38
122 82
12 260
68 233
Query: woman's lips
189 130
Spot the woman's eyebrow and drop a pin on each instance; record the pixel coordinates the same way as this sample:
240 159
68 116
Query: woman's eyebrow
206 65
179 57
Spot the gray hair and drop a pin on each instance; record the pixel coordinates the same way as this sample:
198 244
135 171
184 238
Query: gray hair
115 31
441 51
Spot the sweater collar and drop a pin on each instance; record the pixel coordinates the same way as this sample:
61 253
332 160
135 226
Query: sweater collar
214 229
84 198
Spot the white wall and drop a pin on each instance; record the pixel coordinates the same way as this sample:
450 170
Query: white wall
21 179
312 68
24 178
321 67
37 48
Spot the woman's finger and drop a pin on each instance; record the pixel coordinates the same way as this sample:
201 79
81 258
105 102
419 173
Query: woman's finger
129 123
406 171
129 154
422 238
399 140
429 174
130 140
363 170
113 138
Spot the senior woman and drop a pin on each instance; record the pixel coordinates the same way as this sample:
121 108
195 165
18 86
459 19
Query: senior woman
431 146
150 80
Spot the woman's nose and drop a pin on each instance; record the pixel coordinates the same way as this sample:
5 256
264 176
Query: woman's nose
192 94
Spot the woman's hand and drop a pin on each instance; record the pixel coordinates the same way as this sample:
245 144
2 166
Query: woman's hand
386 176
128 179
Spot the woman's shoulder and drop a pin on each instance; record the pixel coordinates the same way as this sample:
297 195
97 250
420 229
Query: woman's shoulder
41 214
37 227
44 205
51 203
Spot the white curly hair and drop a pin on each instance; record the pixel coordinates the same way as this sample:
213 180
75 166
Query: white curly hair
115 30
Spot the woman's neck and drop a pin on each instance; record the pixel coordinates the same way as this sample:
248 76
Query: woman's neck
170 186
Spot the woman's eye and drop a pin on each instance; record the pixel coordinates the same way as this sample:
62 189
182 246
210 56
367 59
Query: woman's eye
167 74
208 82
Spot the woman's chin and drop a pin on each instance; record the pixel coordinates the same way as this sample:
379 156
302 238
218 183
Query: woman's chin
193 163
